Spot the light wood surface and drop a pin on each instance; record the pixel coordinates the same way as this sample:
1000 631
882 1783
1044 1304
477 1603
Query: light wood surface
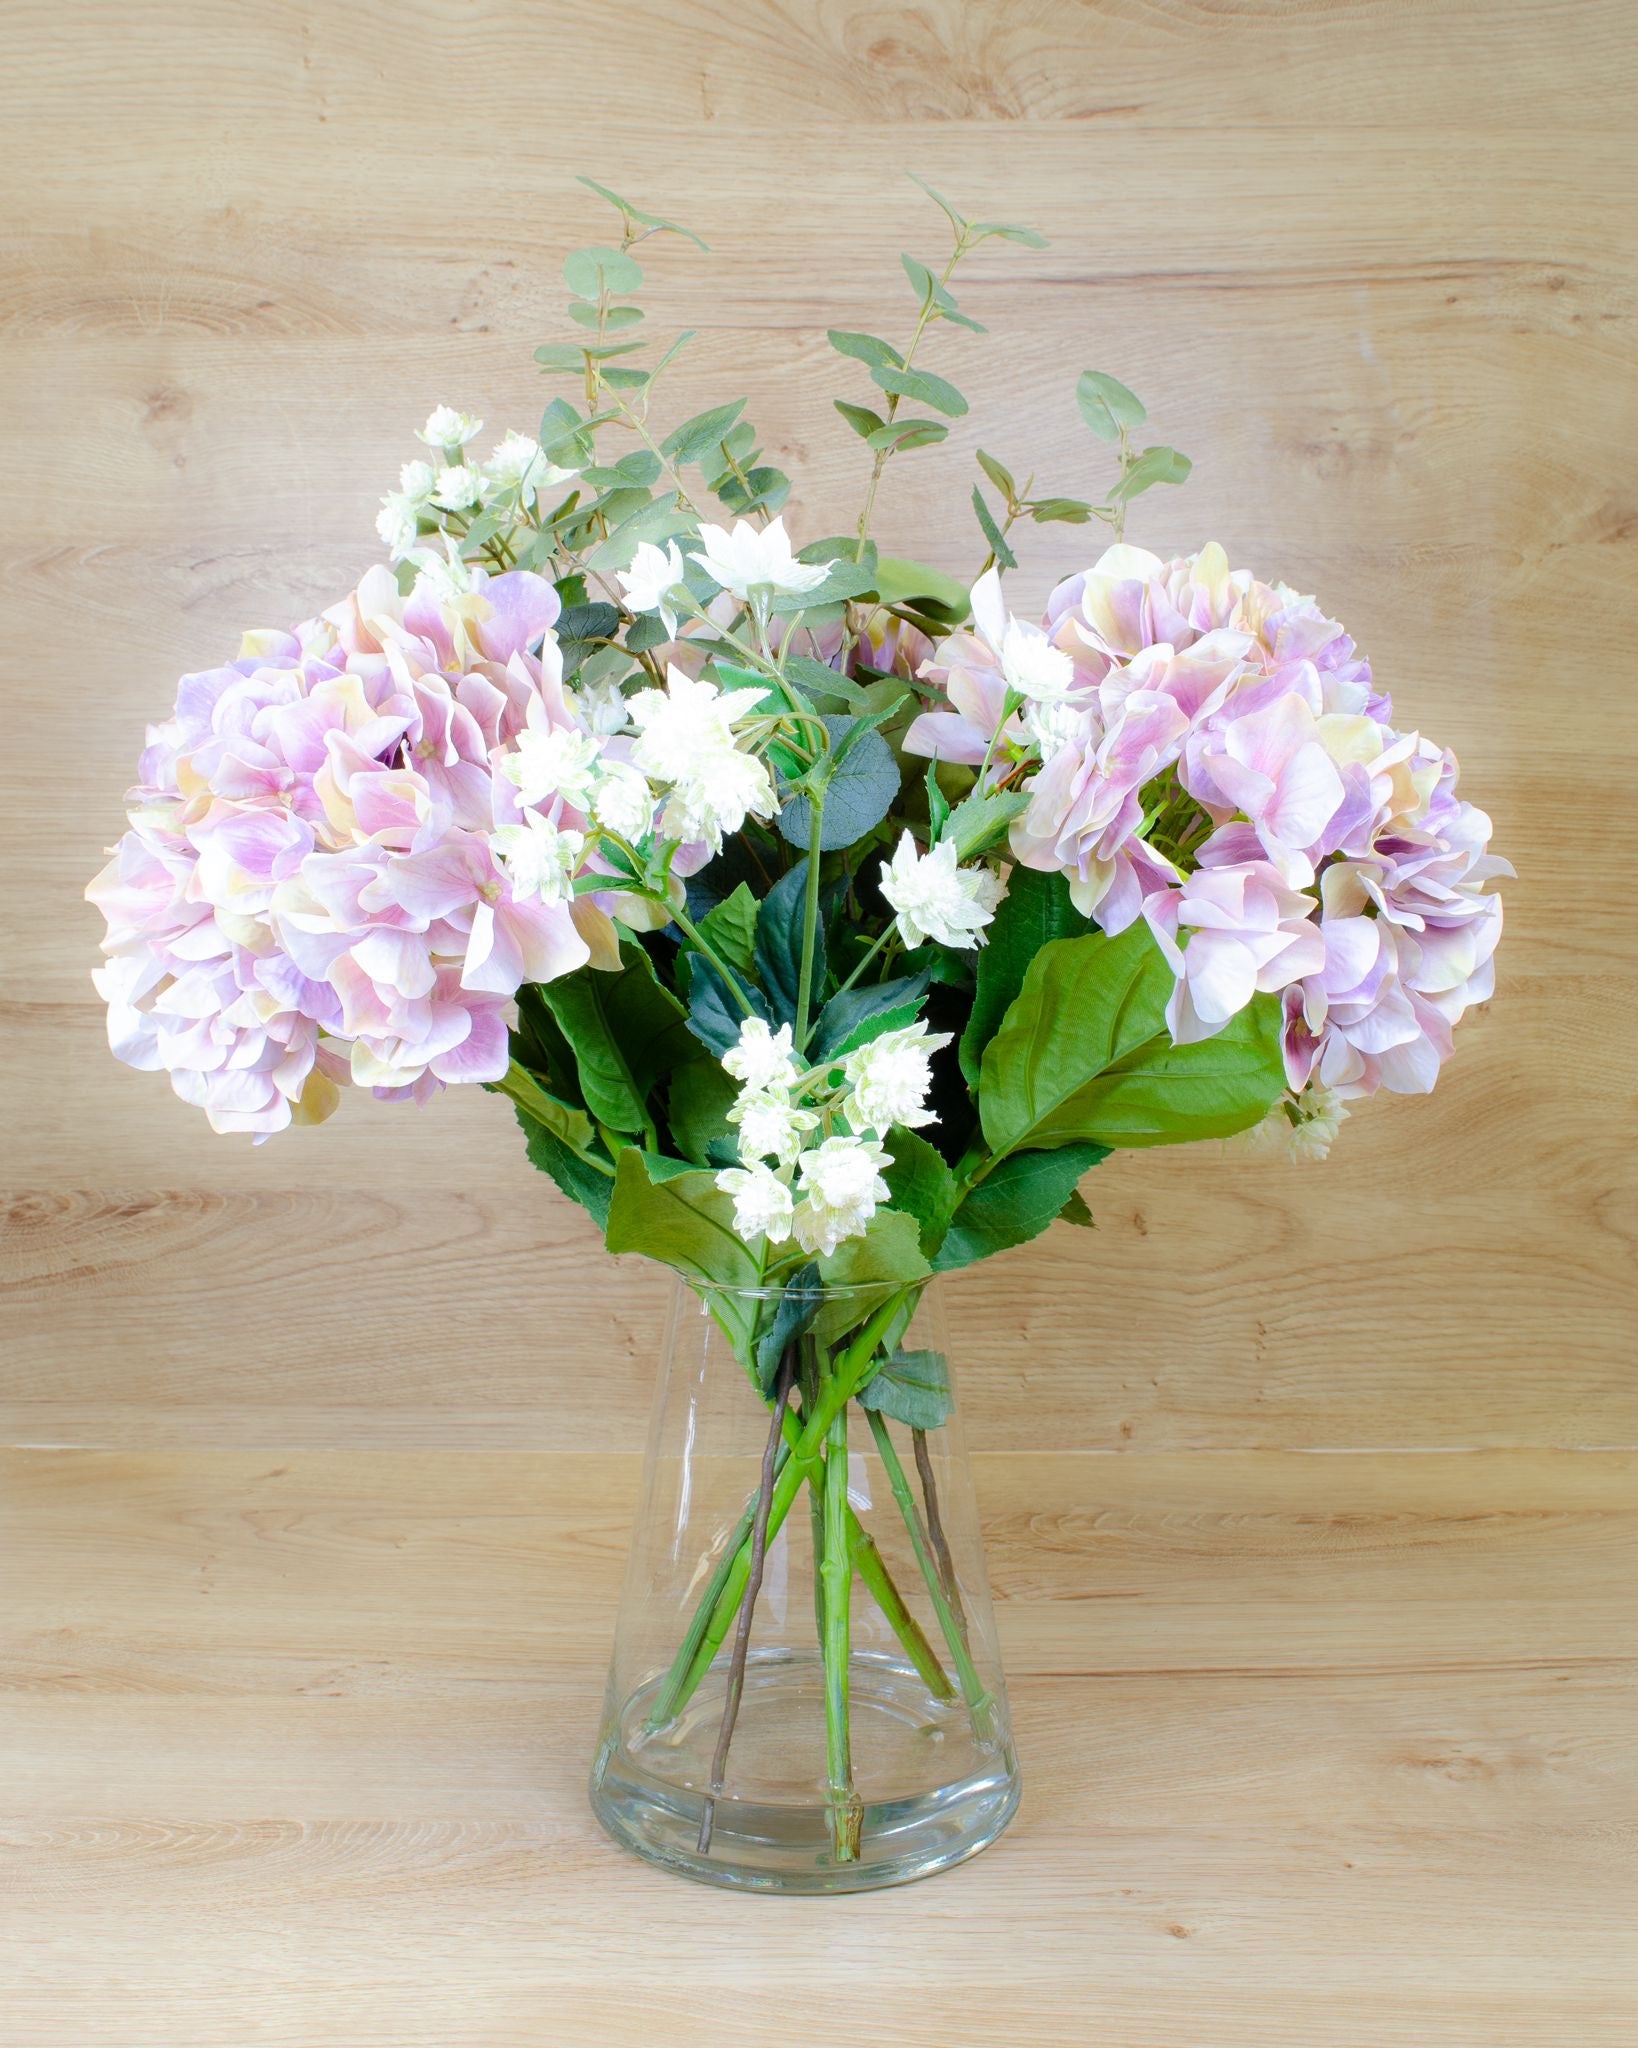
1310 1494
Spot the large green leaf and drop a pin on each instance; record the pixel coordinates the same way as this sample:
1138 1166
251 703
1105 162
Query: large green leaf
913 1387
626 1030
901 582
923 1186
1014 1202
888 1256
858 1015
580 1182
1083 1056
730 927
859 793
697 1105
687 1223
779 923
1035 910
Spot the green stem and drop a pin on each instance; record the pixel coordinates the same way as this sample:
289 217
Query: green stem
875 947
810 921
701 944
878 1581
521 1086
836 1573
979 1703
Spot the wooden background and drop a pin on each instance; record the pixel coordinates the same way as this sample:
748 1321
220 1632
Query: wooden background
321 1455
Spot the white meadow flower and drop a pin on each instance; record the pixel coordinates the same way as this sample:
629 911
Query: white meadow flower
724 788
1032 667
539 859
623 801
770 1127
448 429
750 559
518 463
841 1182
416 480
398 523
762 1202
762 1059
1055 724
557 761
685 724
935 899
890 1078
603 707
653 575
456 488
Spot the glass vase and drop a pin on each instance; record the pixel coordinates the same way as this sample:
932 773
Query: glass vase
805 1693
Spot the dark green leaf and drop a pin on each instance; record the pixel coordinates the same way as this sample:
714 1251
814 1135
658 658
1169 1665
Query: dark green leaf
580 1182
860 418
992 533
845 579
713 1016
1035 910
698 1100
858 1015
923 1186
1075 1211
1014 1202
1084 1056
866 348
587 622
979 821
798 1305
779 922
938 805
645 632
702 435
923 387
859 794
730 926
913 1387
626 1029
1153 466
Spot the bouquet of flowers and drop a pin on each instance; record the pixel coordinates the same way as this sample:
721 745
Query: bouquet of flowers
824 921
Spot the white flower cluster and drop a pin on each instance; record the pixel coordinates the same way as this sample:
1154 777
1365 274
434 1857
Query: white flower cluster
821 1189
1301 1127
936 899
687 744
516 469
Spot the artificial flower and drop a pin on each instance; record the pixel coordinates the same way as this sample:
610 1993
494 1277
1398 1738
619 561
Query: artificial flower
763 1206
936 899
841 1184
762 1059
448 429
890 1076
756 558
654 573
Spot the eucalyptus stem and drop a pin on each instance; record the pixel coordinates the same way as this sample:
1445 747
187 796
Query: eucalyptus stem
836 1574
753 1585
810 920
980 1706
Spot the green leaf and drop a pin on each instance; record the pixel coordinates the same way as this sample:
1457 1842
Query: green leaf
626 380
839 547
923 1186
1075 1211
1060 511
1083 1056
1006 231
866 348
860 418
779 921
979 821
636 213
614 317
580 624
955 219
923 387
845 579
659 520
686 1223
998 475
799 1303
858 1015
590 272
569 357
701 435
992 533
1107 406
1014 1202
1153 466
901 434
913 1387
626 1029
1035 910
714 1017
938 805
923 588
888 1256
863 785
580 1182
730 926
698 1100
764 490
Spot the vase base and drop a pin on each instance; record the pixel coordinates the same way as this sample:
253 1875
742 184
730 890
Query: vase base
931 1792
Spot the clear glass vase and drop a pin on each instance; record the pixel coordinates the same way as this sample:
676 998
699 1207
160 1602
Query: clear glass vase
805 1693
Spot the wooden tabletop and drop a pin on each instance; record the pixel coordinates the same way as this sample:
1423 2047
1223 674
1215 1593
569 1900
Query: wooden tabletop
1311 1494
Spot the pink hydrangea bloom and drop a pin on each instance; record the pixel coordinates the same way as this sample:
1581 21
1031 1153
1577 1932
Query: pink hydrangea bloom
308 893
1248 933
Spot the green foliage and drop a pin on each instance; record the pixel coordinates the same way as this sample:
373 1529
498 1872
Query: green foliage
798 1305
860 779
866 348
913 1387
923 1186
898 435
921 587
1107 406
888 1256
1075 1211
698 1100
590 272
1014 1202
581 1183
1035 910
992 533
1083 1056
922 386
860 418
858 1015
1153 466
700 437
632 213
778 947
714 1017
730 928
977 823
687 1223
626 1030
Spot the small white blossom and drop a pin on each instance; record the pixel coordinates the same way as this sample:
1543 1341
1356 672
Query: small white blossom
1319 1114
398 523
724 789
539 859
685 724
648 583
603 707
841 1181
415 480
752 558
518 463
623 801
762 1059
559 761
456 489
890 1078
446 578
1055 725
1032 667
769 1126
446 428
935 899
762 1202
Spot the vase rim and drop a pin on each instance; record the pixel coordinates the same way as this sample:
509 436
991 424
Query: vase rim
853 1290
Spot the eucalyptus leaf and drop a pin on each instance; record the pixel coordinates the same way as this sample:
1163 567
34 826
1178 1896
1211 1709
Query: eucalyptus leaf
661 519
956 220
923 387
992 532
1153 466
1060 511
636 213
701 435
1083 1055
1007 231
590 272
860 418
999 475
613 318
1107 406
902 434
866 348
899 581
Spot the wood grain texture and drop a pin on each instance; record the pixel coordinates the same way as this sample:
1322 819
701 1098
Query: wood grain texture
325 1451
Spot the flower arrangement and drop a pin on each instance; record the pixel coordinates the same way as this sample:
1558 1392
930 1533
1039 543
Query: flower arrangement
823 920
